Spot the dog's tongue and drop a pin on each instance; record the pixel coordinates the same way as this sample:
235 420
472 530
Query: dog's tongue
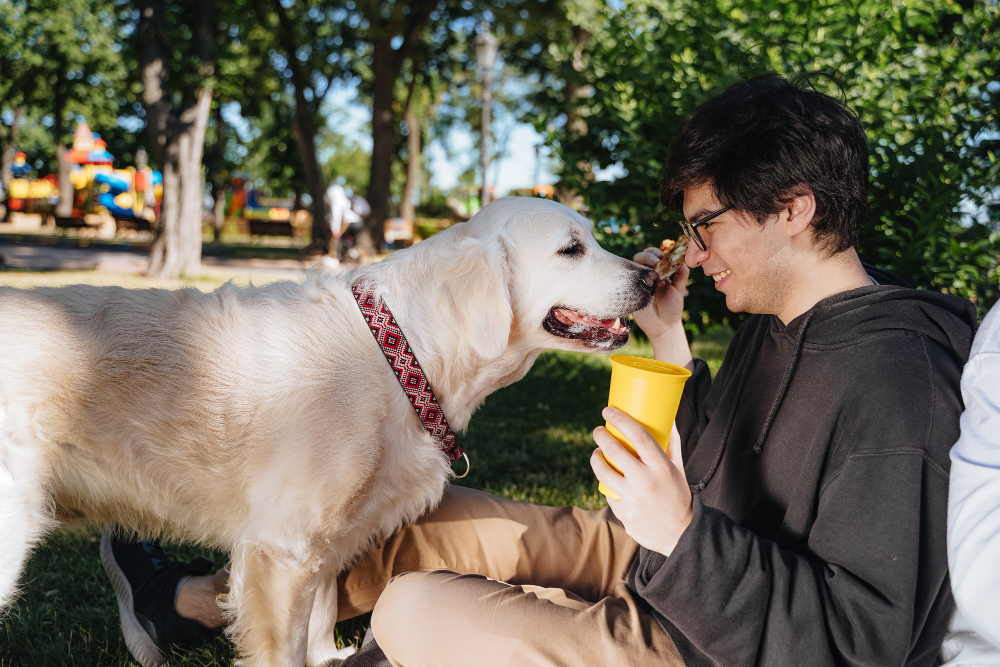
567 316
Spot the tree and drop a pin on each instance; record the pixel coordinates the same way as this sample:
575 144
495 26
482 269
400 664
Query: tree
59 61
402 20
67 59
273 156
309 88
177 110
407 209
344 160
11 87
550 50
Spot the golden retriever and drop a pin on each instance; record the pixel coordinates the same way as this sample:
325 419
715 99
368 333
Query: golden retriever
266 421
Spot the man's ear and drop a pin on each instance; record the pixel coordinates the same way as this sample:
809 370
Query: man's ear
799 211
474 287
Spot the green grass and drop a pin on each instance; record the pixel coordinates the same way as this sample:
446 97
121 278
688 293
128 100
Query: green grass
530 441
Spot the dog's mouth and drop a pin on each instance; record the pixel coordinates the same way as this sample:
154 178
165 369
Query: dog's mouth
608 333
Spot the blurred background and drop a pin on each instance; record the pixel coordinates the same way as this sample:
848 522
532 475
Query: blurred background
176 138
189 142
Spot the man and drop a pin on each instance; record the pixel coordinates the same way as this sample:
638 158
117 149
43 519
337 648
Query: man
801 519
342 216
974 508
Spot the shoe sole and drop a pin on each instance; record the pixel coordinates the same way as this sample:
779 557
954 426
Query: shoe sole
139 643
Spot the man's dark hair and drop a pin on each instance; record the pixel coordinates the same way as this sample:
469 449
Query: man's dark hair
761 141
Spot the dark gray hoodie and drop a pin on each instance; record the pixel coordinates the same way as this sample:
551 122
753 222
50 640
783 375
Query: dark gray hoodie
819 463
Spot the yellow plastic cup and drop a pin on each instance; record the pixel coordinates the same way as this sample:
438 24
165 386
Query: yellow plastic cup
649 391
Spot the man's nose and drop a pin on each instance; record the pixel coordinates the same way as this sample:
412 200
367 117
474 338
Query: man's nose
695 255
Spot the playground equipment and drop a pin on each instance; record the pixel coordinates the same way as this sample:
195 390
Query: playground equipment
259 216
20 167
543 191
103 197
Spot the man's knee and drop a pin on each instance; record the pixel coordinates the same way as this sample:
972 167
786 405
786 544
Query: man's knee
406 618
418 611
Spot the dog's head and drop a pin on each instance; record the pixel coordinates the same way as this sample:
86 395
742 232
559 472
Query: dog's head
531 270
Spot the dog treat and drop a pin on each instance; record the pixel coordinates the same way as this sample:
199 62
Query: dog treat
673 257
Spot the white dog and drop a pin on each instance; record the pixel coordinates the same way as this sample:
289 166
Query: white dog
266 421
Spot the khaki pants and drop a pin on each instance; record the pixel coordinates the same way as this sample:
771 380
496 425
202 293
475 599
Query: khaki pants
485 581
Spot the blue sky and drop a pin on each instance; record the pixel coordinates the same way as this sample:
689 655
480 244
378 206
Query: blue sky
515 170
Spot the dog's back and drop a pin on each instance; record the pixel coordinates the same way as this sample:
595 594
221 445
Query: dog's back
160 408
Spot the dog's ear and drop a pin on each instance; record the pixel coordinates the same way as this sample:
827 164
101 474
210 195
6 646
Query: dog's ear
475 284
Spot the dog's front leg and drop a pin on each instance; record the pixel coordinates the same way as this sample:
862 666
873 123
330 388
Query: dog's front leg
269 603
323 651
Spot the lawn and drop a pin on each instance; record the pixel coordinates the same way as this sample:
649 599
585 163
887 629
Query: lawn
530 441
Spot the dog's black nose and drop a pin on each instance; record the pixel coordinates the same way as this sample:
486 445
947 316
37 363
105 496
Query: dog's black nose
650 279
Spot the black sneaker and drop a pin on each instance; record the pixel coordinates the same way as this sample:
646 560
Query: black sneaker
145 581
369 655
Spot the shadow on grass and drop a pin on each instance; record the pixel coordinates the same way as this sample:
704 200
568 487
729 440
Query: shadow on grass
532 441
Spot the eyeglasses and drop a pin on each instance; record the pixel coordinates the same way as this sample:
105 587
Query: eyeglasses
691 228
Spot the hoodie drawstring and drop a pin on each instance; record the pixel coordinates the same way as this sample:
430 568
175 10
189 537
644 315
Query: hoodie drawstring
782 390
753 351
755 345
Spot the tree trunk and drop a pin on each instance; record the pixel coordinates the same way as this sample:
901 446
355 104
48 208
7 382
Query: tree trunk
305 138
371 239
177 251
64 209
58 107
9 151
179 140
407 209
305 135
163 256
386 66
218 214
576 125
213 166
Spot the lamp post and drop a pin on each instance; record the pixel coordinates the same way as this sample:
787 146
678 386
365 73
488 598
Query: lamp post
486 54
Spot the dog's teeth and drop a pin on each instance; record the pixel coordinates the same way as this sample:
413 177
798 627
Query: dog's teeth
618 323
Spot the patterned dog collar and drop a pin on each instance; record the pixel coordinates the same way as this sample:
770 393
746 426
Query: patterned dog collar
404 364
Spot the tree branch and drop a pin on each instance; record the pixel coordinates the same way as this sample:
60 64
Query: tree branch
155 76
419 15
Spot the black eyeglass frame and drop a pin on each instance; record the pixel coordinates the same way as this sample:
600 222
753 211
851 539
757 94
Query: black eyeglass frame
691 228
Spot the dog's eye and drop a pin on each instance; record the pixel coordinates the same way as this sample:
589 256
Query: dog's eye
575 249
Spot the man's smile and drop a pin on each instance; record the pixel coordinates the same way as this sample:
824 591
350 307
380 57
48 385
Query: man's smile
720 276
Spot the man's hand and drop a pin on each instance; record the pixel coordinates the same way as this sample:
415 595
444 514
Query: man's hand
655 505
661 319
667 306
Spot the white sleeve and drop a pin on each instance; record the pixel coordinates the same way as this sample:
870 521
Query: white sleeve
974 495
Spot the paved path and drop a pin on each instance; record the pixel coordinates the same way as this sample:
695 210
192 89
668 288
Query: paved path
48 258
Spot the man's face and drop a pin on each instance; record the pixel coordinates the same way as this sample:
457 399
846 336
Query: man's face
750 264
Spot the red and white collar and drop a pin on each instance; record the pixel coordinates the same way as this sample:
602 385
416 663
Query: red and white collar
404 364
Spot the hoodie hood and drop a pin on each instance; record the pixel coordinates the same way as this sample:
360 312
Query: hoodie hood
857 314
853 316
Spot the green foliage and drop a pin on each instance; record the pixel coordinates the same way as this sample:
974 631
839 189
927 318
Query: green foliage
61 60
921 75
346 162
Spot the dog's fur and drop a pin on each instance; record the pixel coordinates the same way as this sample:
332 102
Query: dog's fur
265 420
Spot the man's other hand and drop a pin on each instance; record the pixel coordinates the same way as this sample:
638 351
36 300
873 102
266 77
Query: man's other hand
655 505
